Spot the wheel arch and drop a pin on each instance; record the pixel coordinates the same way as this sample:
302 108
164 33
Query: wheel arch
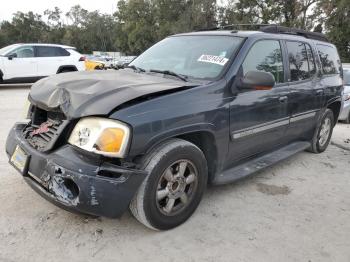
1 75
66 67
204 139
335 106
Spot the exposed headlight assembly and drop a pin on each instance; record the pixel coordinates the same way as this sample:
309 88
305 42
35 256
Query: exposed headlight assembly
101 136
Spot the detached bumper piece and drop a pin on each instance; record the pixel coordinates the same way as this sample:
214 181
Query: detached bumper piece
74 181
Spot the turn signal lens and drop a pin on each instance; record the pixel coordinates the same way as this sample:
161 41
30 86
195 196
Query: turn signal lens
110 140
103 136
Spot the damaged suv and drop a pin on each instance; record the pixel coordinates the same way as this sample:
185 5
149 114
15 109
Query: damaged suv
198 108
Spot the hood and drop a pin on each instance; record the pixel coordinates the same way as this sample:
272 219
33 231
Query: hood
85 93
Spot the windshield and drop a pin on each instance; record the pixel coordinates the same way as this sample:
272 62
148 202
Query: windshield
193 56
5 49
347 77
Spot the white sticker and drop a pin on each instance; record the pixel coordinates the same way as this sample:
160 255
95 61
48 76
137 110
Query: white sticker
213 59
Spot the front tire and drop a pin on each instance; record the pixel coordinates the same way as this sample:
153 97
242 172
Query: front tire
174 187
323 132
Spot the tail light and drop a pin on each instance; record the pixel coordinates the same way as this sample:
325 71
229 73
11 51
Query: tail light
82 59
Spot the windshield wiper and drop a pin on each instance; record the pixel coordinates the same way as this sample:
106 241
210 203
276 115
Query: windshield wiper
171 73
135 68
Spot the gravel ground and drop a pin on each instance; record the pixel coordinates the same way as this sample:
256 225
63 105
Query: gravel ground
298 210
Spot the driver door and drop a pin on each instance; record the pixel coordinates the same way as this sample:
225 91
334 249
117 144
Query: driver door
259 118
21 63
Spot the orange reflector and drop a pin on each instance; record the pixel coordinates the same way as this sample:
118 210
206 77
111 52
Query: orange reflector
110 140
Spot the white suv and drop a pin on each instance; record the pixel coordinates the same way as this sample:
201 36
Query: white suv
30 62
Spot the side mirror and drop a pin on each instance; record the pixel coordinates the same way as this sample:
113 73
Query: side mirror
257 80
11 56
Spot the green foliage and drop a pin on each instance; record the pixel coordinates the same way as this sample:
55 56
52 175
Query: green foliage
335 15
138 24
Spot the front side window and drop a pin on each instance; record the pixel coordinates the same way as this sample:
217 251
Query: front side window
329 59
265 55
298 61
23 52
198 56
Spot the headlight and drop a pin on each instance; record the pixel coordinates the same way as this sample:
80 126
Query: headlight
102 136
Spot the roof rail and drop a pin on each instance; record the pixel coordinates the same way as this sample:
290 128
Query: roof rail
234 26
276 29
273 29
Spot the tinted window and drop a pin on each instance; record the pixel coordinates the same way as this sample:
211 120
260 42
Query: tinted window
329 59
310 55
194 56
50 51
23 52
298 61
265 56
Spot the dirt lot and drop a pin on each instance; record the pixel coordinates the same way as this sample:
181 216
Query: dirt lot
298 210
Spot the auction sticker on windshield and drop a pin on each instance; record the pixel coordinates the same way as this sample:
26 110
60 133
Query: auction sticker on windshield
219 60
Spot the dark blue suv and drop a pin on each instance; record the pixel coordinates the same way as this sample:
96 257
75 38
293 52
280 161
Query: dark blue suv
198 108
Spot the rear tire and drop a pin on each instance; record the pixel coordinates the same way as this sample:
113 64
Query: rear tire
323 132
174 187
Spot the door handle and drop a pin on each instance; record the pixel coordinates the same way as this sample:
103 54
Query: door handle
319 91
283 99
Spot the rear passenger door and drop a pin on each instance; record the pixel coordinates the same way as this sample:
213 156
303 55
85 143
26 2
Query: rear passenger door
49 59
259 118
306 95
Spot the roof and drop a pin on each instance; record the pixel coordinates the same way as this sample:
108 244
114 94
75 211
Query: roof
223 32
43 44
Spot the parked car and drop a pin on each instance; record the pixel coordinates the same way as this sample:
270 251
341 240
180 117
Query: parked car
194 109
123 62
91 63
30 62
345 112
105 60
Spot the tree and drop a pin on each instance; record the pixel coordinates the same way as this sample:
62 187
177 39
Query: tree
137 25
335 16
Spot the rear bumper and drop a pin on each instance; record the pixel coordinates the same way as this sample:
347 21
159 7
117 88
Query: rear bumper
75 181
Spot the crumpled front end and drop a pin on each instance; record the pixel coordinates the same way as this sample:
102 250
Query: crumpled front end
66 176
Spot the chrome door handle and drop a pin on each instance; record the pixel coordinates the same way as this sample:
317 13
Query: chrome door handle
319 91
283 99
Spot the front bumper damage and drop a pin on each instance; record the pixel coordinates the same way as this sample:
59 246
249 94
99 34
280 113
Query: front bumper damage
75 181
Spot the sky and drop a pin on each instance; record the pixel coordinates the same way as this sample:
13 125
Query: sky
8 7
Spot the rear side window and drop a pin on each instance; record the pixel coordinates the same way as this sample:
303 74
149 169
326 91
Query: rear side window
265 55
50 51
301 62
329 59
311 58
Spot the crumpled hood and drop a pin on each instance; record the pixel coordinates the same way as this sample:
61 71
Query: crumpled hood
86 93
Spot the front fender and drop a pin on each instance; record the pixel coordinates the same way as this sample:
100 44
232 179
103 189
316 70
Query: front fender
166 135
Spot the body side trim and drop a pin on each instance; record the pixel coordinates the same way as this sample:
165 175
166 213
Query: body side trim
273 124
